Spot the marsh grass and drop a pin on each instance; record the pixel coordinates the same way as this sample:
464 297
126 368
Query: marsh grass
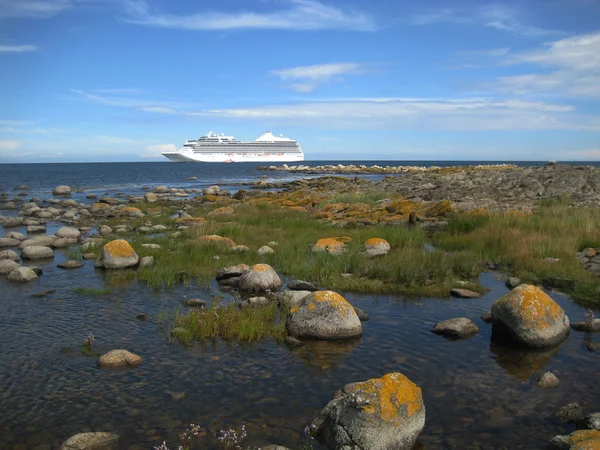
232 323
74 252
92 291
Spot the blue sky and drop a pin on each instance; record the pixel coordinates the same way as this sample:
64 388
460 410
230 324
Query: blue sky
122 80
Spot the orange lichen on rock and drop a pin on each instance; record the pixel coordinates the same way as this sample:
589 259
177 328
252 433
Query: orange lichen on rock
331 243
392 391
119 248
534 306
191 220
298 208
376 241
401 207
585 440
334 299
439 209
131 209
222 211
261 267
216 239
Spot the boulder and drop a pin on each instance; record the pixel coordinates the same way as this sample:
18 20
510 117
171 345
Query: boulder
22 275
464 293
16 235
528 316
41 239
376 247
117 254
161 190
68 232
265 250
548 380
8 254
459 328
130 211
259 278
331 245
570 413
578 440
92 441
323 315
7 266
12 222
592 421
35 252
9 242
150 197
62 190
230 276
378 414
118 358
292 298
63 242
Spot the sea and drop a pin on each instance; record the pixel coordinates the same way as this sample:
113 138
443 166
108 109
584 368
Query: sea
478 394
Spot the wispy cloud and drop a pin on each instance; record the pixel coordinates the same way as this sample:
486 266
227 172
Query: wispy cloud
147 105
155 151
497 16
310 77
32 9
299 15
18 48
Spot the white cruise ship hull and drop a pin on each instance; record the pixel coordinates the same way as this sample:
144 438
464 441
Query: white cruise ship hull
191 156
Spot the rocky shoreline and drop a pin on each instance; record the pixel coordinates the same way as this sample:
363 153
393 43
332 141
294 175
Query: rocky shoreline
376 169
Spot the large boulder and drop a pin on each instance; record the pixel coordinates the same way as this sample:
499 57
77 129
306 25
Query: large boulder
62 190
7 266
22 275
68 232
528 316
117 254
376 247
578 440
292 298
260 278
35 252
377 414
9 242
323 315
102 440
119 358
334 246
42 239
230 276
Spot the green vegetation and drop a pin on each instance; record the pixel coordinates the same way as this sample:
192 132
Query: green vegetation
246 324
92 291
74 252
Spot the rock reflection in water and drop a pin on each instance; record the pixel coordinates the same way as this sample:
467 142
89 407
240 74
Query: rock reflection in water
521 363
324 354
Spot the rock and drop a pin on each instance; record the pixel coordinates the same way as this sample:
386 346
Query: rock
150 197
230 276
592 421
152 246
16 235
130 211
578 440
7 266
63 242
193 302
8 254
9 242
464 293
512 282
35 252
259 278
91 196
376 247
240 248
331 245
528 316
119 358
71 264
363 316
548 380
44 293
62 190
105 230
38 271
256 301
323 315
292 341
570 413
292 298
459 327
12 222
215 239
265 250
299 285
147 261
22 274
34 229
117 254
22 187
92 441
378 414
582 326
90 255
68 232
42 239
224 211
161 190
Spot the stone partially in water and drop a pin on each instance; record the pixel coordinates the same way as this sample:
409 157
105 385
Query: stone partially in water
459 328
464 293
260 278
22 275
92 441
68 232
8 254
323 315
528 316
35 252
578 440
7 266
9 242
71 264
300 285
592 421
377 414
593 327
570 413
62 190
117 254
119 358
292 298
548 380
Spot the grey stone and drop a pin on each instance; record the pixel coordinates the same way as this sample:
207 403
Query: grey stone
68 232
570 413
92 441
512 282
22 274
147 261
265 250
292 298
592 421
459 327
119 358
9 242
193 302
71 264
292 341
260 278
35 229
13 222
35 252
464 293
231 272
362 314
161 190
548 380
16 235
63 242
42 239
486 317
8 254
582 326
300 285
7 266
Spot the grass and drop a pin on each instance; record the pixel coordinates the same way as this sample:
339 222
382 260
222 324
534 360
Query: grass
74 252
247 324
92 291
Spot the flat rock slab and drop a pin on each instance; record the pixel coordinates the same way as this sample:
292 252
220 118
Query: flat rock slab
119 358
92 441
300 285
71 264
459 327
582 326
464 293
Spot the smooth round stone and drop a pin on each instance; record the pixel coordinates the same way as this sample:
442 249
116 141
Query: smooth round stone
8 254
7 266
71 264
119 358
37 252
22 275
68 232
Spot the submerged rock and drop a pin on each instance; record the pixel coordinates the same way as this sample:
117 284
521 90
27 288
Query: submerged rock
119 358
459 327
548 380
528 316
92 441
323 315
377 414
117 254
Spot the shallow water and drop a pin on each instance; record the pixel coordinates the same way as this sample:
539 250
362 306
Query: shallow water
477 394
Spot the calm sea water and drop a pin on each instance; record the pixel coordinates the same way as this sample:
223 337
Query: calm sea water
478 394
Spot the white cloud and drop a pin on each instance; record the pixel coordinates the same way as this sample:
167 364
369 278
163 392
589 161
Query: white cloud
312 76
300 15
32 9
18 48
155 151
497 16
128 102
8 147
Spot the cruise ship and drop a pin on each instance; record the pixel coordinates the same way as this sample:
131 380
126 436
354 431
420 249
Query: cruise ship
225 149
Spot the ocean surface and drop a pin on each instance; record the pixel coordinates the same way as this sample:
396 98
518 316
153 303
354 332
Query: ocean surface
478 394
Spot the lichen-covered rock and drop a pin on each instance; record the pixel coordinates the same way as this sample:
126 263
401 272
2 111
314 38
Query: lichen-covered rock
223 211
130 211
376 247
8 254
216 239
161 190
68 232
323 315
592 421
62 190
150 197
35 252
92 441
22 275
191 221
528 316
260 278
117 254
378 414
7 266
459 328
334 246
578 440
119 358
